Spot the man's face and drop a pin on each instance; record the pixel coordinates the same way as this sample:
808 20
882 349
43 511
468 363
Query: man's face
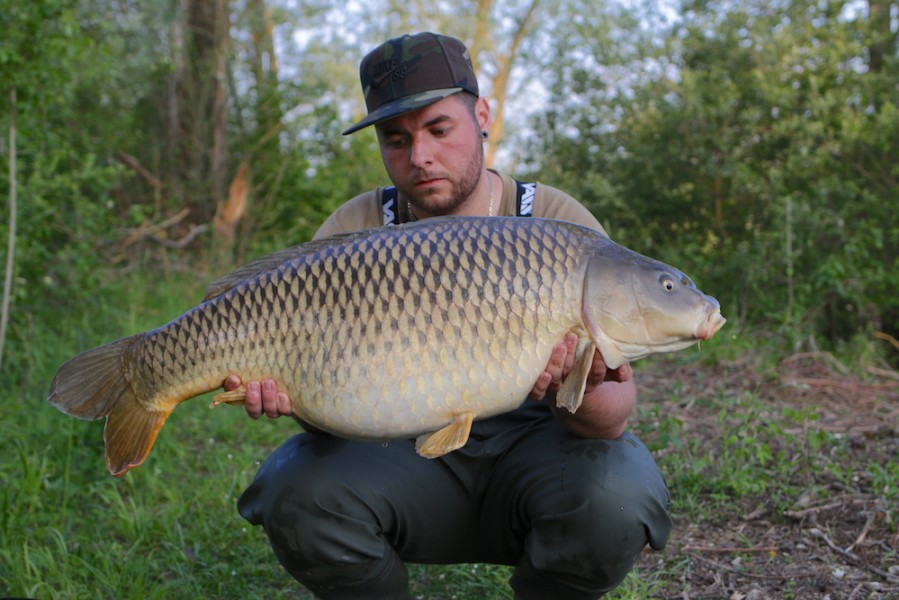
434 155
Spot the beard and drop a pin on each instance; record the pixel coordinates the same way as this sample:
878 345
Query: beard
441 202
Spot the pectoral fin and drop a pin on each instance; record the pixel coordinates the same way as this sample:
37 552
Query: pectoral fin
235 396
443 441
572 391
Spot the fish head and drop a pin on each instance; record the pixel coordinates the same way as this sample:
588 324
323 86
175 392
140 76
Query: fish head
635 306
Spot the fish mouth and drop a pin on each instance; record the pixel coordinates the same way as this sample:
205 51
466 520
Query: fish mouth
710 326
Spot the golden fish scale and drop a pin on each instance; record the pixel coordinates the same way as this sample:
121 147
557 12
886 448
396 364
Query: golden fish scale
389 334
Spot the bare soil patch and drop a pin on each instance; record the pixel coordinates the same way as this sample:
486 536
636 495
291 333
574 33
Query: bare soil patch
827 528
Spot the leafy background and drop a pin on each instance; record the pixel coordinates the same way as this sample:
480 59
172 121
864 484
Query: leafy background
753 144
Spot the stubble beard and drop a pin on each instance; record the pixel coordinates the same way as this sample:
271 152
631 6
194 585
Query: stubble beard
439 204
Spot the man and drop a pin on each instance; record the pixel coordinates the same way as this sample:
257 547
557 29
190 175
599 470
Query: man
569 499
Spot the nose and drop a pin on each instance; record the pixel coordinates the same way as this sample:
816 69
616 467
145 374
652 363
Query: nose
421 153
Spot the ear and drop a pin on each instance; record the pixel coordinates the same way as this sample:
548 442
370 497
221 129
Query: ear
482 113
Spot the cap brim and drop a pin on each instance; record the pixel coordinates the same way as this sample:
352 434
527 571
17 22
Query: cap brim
401 106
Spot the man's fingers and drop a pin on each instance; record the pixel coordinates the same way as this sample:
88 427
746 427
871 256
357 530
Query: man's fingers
621 374
270 398
558 363
232 382
598 370
284 405
570 352
541 386
253 402
263 397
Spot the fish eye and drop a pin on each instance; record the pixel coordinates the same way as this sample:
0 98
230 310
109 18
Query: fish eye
668 283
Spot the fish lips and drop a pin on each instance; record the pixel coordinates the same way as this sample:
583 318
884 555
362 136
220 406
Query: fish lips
709 326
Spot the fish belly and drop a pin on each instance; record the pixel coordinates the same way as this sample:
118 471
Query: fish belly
395 333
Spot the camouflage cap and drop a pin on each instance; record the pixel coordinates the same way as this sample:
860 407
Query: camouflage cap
411 72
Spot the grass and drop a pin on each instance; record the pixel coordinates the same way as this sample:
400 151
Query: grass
171 530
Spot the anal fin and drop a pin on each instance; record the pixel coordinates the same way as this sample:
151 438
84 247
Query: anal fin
443 441
572 391
235 396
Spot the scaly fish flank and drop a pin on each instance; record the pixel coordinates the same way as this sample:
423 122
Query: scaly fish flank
397 332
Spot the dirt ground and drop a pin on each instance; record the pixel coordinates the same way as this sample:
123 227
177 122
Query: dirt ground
837 538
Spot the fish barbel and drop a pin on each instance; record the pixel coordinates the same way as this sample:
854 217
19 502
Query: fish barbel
396 332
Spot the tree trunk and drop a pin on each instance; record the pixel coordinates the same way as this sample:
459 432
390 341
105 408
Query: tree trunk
200 114
266 151
883 40
480 41
504 64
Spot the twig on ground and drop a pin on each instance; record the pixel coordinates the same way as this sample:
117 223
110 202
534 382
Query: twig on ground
834 383
872 516
827 356
882 372
855 559
743 573
801 514
729 549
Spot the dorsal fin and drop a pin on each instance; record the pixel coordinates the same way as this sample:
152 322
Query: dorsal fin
272 261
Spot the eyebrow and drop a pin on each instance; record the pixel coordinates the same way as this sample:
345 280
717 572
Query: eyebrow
437 120
387 129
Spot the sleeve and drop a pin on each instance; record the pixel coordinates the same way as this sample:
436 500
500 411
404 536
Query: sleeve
362 212
556 204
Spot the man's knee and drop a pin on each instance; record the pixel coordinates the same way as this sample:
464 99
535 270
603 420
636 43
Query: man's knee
614 509
302 501
322 532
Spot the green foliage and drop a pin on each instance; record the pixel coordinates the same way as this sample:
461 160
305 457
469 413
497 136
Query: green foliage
748 143
757 151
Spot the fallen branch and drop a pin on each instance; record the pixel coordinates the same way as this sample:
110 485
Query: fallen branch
743 572
854 558
850 385
883 372
729 549
801 514
881 591
872 516
826 356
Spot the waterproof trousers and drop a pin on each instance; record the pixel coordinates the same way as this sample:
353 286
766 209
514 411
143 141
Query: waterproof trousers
570 514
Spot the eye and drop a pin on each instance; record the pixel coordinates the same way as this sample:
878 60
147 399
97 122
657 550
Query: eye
668 284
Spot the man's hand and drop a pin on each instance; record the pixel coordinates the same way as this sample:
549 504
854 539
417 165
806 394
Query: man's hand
605 408
262 397
560 364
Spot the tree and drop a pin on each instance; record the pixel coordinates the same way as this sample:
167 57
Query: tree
200 106
753 149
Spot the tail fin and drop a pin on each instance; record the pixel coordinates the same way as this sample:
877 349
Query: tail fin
93 385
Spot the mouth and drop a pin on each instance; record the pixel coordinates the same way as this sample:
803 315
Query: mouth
706 329
425 184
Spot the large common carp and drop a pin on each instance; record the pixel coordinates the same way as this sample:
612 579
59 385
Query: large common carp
395 332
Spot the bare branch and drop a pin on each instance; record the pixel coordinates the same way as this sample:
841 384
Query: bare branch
11 244
134 164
